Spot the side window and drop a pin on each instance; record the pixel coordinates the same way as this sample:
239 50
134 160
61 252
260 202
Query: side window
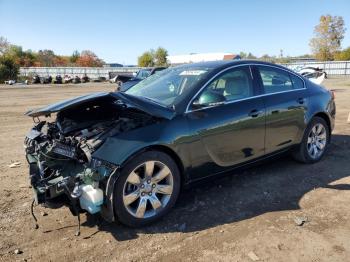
275 80
232 85
297 82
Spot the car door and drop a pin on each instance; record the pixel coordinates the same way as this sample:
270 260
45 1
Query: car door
227 121
286 102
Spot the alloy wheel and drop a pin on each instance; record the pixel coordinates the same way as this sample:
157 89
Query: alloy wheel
148 189
316 141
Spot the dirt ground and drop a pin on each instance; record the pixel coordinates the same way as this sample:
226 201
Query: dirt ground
243 217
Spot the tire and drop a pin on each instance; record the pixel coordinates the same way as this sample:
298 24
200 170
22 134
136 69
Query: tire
141 199
304 153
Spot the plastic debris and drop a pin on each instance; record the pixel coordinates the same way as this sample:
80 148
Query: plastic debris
253 256
299 221
14 165
18 251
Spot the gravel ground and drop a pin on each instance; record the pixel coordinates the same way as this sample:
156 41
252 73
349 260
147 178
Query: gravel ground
250 216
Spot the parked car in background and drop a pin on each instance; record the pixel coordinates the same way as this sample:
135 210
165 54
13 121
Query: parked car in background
46 79
58 79
10 82
127 154
141 74
314 74
67 79
36 79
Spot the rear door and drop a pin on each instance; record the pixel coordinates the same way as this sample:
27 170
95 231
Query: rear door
228 133
286 102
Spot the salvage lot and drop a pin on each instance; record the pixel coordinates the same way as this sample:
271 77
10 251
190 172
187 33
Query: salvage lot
244 217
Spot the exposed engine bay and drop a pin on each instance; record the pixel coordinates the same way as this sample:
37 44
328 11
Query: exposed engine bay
60 152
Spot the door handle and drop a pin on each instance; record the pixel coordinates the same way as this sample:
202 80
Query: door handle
255 113
301 100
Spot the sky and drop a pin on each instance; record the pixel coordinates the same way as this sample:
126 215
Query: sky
120 31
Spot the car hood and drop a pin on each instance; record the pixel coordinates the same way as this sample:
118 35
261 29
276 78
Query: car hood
139 103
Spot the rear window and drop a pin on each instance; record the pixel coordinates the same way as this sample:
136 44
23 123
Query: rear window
275 80
297 82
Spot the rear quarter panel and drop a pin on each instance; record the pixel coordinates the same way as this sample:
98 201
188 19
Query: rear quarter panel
320 101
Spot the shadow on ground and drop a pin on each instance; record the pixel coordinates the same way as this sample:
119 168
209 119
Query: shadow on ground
273 186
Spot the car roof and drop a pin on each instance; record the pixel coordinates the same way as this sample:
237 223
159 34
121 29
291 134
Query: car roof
225 63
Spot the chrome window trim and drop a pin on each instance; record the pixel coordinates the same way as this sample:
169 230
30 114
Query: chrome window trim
243 99
238 100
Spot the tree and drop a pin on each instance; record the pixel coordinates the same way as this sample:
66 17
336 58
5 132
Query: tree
251 56
88 58
74 57
8 68
243 55
160 57
146 59
343 55
153 58
46 58
4 44
329 34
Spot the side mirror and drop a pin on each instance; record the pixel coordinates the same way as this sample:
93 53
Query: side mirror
208 99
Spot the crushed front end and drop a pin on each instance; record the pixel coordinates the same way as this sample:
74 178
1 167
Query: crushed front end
62 168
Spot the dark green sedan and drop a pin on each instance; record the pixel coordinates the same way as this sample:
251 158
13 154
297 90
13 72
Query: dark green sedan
127 155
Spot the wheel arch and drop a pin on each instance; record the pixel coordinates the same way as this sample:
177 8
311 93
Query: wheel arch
164 149
326 118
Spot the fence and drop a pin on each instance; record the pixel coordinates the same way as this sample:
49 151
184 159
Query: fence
330 67
92 72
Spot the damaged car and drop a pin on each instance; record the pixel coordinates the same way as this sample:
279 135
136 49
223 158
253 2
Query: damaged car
126 155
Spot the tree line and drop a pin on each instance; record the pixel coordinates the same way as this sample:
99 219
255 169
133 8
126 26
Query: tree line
12 57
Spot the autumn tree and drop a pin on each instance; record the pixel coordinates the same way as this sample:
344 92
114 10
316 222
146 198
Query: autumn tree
343 55
329 34
88 58
46 58
146 59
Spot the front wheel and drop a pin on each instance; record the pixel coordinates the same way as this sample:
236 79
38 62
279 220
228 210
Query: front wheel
147 188
315 142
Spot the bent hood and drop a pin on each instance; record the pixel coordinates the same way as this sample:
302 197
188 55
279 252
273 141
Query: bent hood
139 103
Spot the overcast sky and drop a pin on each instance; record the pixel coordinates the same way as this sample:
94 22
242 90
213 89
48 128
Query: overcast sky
119 31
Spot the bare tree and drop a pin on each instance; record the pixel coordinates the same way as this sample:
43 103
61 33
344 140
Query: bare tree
4 45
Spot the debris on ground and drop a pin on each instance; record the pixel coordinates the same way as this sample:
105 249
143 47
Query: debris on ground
18 251
299 221
44 214
253 256
14 165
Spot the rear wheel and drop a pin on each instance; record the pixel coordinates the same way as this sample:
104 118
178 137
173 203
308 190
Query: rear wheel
147 188
315 142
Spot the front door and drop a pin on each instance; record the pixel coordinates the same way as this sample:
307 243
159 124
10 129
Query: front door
227 121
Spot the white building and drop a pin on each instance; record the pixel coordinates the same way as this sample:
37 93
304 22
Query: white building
194 58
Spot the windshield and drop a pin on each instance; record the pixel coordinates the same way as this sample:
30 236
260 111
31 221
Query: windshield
169 85
143 73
